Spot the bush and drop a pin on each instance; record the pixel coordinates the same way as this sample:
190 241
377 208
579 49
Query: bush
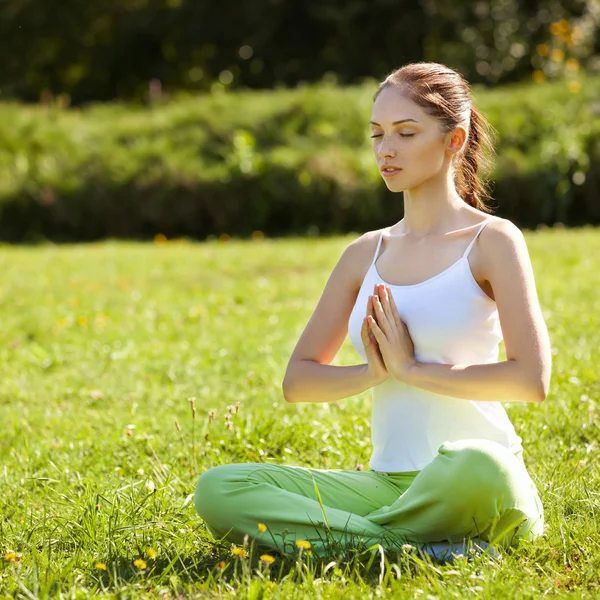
281 162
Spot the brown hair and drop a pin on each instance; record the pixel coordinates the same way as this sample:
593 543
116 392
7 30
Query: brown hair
445 94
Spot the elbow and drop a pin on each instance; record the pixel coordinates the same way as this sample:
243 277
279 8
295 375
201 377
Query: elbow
289 385
535 383
286 396
544 384
286 389
542 380
540 391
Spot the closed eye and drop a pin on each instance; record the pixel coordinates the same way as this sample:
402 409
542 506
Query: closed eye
402 135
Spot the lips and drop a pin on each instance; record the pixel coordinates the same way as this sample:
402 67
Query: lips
389 170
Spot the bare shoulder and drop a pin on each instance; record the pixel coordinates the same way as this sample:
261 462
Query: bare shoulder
358 255
501 236
499 240
502 251
501 226
364 242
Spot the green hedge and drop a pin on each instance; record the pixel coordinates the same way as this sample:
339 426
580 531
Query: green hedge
282 162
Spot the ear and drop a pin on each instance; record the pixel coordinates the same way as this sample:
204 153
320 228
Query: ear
455 140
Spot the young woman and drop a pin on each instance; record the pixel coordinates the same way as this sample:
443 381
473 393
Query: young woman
426 302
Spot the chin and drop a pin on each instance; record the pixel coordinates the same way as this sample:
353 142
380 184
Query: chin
395 186
402 184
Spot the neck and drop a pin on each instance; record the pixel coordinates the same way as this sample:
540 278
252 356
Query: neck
431 208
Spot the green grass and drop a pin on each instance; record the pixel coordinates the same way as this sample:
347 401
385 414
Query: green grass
101 348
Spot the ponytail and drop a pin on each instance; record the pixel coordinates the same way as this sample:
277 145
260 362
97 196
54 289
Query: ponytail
468 185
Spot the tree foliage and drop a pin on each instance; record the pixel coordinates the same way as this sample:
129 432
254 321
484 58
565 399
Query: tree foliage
100 50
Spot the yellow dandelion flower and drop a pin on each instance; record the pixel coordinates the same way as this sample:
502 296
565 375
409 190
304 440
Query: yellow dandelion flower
304 544
61 323
267 558
574 86
140 563
160 238
542 49
222 564
151 552
11 557
262 527
557 55
100 566
238 551
82 321
538 76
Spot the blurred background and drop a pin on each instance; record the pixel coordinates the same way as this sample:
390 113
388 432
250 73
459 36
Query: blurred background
172 118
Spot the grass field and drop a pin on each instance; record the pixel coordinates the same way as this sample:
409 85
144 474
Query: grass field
103 345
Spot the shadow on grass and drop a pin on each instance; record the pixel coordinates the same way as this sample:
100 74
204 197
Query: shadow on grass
215 565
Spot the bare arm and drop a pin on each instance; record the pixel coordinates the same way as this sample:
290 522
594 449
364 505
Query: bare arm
503 381
309 377
316 382
525 375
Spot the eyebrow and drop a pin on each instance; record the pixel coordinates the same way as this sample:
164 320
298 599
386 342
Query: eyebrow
395 122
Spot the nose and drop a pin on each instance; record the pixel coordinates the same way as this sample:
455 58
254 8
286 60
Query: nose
385 148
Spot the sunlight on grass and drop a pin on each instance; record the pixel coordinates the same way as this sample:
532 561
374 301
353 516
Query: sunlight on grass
129 369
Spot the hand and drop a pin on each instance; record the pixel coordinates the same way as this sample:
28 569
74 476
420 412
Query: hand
375 367
391 333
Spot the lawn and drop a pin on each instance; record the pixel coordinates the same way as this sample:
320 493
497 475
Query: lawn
104 345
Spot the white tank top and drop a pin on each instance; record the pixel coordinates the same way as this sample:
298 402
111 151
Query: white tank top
452 321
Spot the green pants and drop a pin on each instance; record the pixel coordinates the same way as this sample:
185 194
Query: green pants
471 489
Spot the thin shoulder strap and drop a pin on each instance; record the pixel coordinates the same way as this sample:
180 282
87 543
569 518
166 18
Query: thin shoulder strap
476 236
378 246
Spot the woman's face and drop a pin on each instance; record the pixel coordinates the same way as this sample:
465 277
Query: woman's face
408 144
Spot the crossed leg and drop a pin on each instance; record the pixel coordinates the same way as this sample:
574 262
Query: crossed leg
471 488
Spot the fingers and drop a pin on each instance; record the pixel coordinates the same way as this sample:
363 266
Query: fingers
385 298
379 337
370 307
369 312
383 320
364 332
368 339
370 320
382 307
366 325
379 312
395 314
388 305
